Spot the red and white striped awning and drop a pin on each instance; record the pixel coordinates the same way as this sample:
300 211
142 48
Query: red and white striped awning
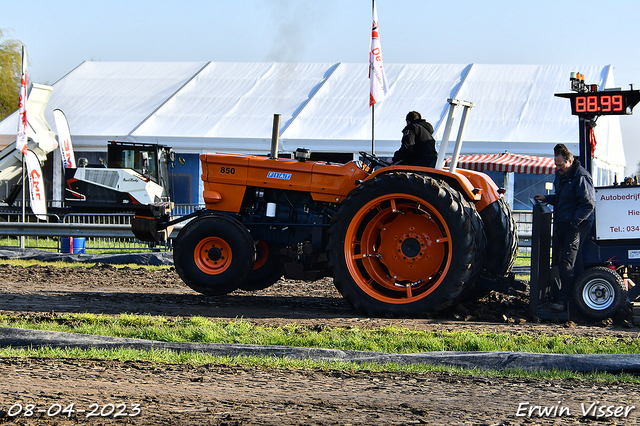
506 162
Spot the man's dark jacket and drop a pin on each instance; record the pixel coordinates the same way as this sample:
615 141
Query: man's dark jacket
418 145
574 198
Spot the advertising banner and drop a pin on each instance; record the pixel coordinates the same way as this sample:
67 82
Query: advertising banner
618 213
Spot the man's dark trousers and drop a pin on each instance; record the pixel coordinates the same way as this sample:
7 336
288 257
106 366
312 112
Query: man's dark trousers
569 240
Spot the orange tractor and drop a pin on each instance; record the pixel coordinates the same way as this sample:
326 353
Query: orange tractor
397 240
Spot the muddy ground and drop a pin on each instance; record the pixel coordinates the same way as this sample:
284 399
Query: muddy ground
111 392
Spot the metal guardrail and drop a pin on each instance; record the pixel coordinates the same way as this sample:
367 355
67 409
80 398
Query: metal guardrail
100 231
102 228
40 229
43 229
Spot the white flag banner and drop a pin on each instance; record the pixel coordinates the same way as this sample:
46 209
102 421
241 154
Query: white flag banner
21 140
36 186
64 139
377 76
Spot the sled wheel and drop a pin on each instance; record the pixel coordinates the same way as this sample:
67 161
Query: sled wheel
501 236
267 269
213 254
402 244
599 293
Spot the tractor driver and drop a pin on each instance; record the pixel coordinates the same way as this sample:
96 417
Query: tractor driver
418 145
574 202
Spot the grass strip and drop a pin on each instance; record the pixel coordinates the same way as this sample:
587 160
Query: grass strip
163 357
390 339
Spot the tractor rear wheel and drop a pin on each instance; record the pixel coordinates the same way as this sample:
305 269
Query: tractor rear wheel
502 239
404 244
599 293
214 254
267 269
501 243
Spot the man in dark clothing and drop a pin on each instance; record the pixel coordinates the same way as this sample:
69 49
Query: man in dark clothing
418 145
574 201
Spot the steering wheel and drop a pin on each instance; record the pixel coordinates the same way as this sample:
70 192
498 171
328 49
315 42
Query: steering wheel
373 161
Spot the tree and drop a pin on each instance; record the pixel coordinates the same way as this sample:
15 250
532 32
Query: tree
10 72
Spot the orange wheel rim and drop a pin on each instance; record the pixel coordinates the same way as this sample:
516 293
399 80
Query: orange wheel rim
212 255
398 248
262 254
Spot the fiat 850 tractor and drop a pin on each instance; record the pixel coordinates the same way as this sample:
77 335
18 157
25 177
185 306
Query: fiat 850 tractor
397 240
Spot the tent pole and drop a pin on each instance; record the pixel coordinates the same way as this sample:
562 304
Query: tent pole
509 184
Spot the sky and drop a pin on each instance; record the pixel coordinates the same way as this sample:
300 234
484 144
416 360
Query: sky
61 34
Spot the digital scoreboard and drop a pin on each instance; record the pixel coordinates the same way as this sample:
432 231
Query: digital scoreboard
605 102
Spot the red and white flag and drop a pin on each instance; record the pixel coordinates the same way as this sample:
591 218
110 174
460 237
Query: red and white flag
36 180
36 186
64 139
377 77
21 140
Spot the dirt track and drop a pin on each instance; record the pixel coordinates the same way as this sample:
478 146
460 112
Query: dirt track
218 394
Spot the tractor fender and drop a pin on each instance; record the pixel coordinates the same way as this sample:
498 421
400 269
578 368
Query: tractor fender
458 180
480 180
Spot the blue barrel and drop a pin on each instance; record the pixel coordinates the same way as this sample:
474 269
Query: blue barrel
72 245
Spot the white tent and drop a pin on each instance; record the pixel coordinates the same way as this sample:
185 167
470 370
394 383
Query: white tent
200 107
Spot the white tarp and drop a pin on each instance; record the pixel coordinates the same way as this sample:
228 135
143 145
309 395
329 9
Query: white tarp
235 100
203 107
110 99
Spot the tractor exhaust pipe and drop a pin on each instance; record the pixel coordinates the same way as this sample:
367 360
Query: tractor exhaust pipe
275 137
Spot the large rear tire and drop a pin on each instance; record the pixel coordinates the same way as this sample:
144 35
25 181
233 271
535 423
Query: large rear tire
404 244
502 239
214 254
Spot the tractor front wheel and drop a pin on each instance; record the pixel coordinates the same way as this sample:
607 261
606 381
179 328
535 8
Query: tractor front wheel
214 254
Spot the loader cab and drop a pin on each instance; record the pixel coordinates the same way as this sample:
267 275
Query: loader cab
133 174
150 160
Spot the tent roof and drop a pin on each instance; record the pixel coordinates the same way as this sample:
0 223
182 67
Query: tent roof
507 162
214 106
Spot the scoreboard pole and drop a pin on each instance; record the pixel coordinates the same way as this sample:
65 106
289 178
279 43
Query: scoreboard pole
585 144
